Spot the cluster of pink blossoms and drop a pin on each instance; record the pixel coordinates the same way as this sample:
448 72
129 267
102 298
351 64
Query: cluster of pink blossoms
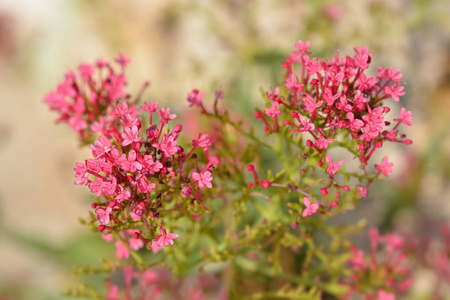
161 284
385 269
337 105
133 171
85 99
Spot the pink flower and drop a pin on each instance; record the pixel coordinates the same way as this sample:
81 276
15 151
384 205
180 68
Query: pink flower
151 165
86 71
155 247
275 94
302 46
203 178
362 57
144 186
394 91
123 60
306 126
130 136
113 292
77 123
204 141
129 121
120 110
122 251
310 208
322 142
333 167
389 74
105 186
100 125
103 214
135 244
165 239
328 96
108 237
385 167
363 191
195 97
130 164
274 111
382 295
354 124
165 115
291 83
168 145
150 106
405 117
100 148
357 261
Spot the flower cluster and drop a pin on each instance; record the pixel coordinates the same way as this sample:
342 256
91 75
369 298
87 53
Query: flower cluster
386 268
336 104
135 173
85 99
159 283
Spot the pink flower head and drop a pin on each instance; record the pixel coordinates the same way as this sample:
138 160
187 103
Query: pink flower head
195 97
203 179
311 208
405 117
165 239
382 295
385 167
333 167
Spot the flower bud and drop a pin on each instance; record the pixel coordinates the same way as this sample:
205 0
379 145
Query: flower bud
265 183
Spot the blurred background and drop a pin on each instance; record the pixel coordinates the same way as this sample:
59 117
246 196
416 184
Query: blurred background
234 45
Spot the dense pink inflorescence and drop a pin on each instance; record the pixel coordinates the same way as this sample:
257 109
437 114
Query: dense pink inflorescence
133 170
87 99
159 283
387 260
333 103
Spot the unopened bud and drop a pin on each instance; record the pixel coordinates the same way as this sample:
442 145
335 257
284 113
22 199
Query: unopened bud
178 128
214 160
265 183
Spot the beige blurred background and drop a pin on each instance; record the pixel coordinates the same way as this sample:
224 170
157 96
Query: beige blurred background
177 45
